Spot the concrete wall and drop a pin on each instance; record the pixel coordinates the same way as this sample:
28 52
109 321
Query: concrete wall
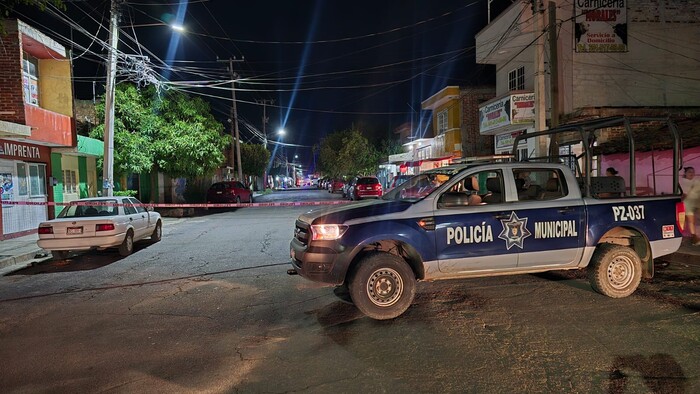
55 86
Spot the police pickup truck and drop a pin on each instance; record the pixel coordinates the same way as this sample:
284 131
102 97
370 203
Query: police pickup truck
485 219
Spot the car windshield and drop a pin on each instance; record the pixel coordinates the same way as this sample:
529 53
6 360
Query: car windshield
420 186
75 211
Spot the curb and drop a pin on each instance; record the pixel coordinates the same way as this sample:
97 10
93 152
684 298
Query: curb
19 259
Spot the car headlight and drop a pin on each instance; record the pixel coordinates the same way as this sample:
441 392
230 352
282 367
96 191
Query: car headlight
327 232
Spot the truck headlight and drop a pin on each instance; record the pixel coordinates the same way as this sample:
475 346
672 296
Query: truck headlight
327 232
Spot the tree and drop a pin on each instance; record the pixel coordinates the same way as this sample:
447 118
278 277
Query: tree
169 131
347 153
134 126
189 142
254 159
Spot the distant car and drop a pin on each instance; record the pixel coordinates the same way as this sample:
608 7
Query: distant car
229 192
335 185
101 223
366 187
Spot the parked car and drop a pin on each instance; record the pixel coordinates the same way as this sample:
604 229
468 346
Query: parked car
366 187
335 185
229 192
100 223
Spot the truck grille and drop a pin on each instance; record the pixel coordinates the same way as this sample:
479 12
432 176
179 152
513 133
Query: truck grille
302 232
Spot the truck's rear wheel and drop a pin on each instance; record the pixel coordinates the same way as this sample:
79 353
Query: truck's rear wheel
615 270
383 286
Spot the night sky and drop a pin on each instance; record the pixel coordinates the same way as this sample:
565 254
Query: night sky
327 65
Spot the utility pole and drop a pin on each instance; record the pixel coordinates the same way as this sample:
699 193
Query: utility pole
540 98
236 148
264 103
108 156
553 76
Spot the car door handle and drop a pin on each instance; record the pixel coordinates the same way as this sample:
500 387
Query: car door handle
501 216
565 210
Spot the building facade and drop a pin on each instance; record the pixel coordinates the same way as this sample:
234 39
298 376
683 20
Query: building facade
636 57
37 129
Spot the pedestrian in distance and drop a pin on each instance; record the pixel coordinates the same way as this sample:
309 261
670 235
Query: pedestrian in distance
611 171
690 187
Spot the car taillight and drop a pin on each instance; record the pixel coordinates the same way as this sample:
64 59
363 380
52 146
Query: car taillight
377 187
46 230
104 227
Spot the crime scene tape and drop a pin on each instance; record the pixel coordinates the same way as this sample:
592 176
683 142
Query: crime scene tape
160 205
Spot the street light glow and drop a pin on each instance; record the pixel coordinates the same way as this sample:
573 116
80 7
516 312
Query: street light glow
178 28
281 132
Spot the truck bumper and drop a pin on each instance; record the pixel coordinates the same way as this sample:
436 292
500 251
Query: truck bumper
323 262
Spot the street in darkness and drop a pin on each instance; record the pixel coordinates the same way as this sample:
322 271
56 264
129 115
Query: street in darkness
211 309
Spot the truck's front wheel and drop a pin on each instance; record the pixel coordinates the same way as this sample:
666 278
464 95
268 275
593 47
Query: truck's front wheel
615 270
383 286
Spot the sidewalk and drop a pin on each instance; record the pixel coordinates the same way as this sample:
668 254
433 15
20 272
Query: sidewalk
22 251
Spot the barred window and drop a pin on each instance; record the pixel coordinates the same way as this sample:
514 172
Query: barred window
70 184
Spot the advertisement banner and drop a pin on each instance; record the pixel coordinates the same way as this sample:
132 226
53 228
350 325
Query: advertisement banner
494 115
523 108
601 26
506 140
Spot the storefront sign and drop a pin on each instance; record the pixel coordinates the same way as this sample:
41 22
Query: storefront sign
506 140
523 108
494 115
21 151
515 109
601 26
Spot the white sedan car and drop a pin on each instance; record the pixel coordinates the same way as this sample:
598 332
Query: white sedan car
100 223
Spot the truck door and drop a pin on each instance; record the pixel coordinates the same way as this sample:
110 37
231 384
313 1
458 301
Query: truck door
468 223
554 217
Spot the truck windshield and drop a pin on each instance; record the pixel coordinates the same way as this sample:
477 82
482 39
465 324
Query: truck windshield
420 186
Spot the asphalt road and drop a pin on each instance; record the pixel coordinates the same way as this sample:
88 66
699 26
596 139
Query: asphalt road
211 309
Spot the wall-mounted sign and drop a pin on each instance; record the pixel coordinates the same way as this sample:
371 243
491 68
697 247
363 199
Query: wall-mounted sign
494 115
21 151
601 26
522 108
515 109
506 140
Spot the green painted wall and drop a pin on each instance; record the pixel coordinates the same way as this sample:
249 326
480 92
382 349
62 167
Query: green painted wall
82 177
145 187
57 174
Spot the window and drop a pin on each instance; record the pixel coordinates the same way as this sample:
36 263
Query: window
516 79
69 182
30 78
37 180
137 205
128 208
539 184
22 177
442 122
